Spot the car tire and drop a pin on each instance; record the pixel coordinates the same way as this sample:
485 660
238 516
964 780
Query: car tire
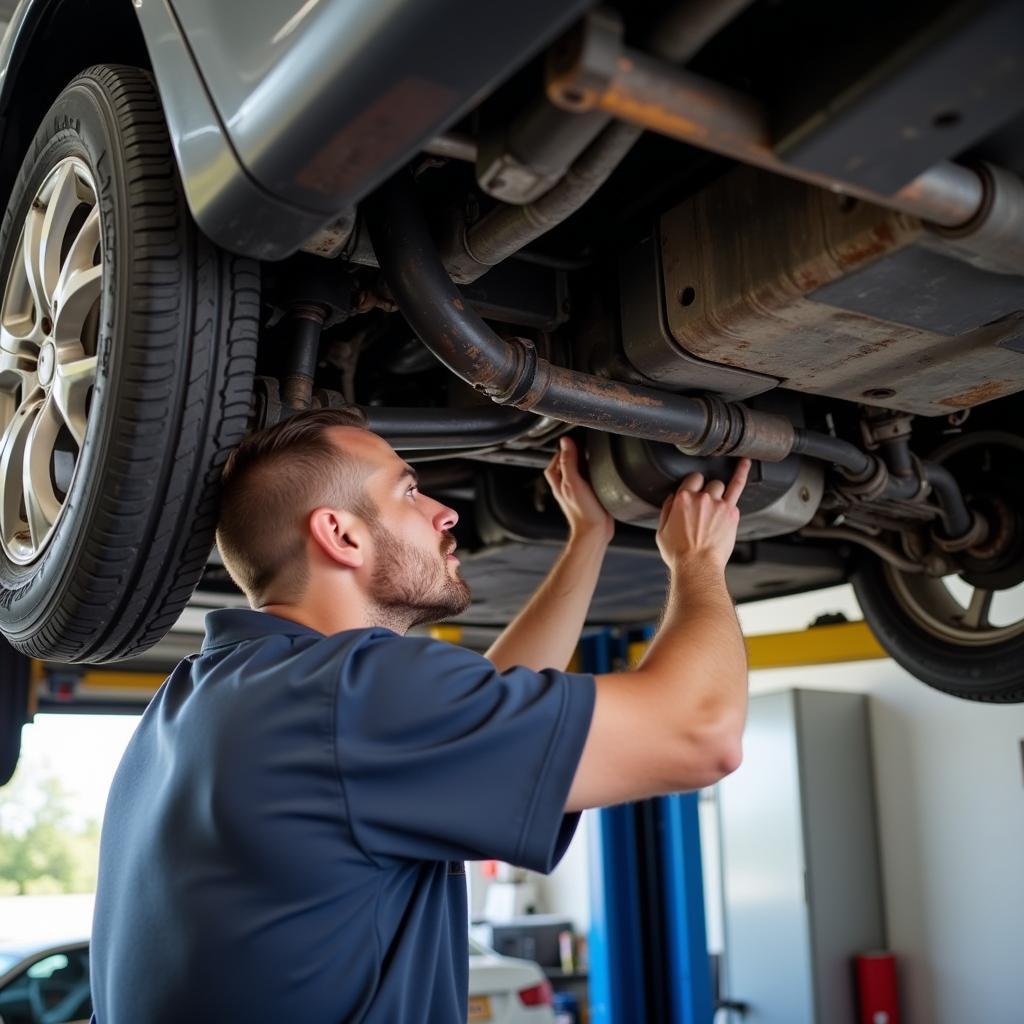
993 673
136 462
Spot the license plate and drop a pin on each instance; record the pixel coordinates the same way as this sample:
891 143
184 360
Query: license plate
479 1009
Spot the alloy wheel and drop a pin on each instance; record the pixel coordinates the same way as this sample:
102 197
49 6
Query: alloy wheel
49 323
985 605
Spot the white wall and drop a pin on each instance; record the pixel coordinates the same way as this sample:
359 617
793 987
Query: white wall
950 790
565 891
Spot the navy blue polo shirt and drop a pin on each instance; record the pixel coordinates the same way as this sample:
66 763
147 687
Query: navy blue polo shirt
284 838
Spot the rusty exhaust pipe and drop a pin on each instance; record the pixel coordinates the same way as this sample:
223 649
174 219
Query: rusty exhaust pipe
512 373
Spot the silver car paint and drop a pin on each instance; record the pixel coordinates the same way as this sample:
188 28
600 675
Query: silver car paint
19 18
284 114
226 203
322 100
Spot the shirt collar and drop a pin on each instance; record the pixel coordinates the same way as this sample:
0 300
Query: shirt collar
226 626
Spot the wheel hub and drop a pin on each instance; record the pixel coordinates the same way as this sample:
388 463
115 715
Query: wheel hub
47 364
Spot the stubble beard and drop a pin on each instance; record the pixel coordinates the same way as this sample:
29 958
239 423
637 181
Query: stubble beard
410 587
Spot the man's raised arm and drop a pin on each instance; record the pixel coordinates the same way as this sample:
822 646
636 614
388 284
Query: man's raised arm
675 723
545 633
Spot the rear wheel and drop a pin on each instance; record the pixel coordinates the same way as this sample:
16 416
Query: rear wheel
963 633
127 349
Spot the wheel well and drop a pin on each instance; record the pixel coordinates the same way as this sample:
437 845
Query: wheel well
59 39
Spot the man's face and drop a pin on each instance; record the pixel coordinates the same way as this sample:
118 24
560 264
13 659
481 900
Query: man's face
414 577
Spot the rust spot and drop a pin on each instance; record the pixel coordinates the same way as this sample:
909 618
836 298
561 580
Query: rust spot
884 233
984 392
377 135
861 249
809 281
458 304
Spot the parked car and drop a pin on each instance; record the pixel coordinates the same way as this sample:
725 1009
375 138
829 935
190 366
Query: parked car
506 990
45 984
684 232
49 984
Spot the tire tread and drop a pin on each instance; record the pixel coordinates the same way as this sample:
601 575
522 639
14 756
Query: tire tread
183 400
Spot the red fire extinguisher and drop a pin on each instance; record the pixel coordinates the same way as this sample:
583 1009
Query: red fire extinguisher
877 993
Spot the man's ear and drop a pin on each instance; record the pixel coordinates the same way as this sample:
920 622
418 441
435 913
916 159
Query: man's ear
339 535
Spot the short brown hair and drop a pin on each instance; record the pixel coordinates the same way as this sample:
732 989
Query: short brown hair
271 482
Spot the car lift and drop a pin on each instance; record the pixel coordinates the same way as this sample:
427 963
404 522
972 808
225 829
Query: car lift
648 941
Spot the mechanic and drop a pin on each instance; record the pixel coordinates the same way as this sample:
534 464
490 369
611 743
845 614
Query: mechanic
284 838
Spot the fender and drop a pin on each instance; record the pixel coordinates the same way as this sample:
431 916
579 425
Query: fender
283 115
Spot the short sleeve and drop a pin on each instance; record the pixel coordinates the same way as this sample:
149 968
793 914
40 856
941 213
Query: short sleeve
442 757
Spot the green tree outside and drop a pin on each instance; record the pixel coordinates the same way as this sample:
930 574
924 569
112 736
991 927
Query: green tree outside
43 848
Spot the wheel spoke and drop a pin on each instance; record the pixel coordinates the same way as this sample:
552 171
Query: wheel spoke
70 391
12 458
30 258
19 363
63 201
74 298
976 615
17 316
42 506
9 341
47 370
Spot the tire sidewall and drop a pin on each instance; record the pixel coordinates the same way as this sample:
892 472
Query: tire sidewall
79 124
994 674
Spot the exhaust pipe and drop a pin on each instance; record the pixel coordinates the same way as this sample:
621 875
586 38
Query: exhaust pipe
510 372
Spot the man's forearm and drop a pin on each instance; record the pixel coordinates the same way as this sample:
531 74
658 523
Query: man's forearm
544 634
700 640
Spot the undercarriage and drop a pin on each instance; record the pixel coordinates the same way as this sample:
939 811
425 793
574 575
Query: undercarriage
686 235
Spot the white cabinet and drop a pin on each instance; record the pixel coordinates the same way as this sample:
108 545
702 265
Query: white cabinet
801 878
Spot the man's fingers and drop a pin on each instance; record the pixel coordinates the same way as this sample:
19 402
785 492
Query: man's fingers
666 508
569 457
716 488
738 482
694 482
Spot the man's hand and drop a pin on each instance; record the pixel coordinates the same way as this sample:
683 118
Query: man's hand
575 496
675 722
698 522
544 634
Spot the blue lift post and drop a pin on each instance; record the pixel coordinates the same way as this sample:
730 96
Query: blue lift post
616 984
648 941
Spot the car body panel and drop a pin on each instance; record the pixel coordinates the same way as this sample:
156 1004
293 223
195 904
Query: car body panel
324 99
23 20
284 115
227 204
